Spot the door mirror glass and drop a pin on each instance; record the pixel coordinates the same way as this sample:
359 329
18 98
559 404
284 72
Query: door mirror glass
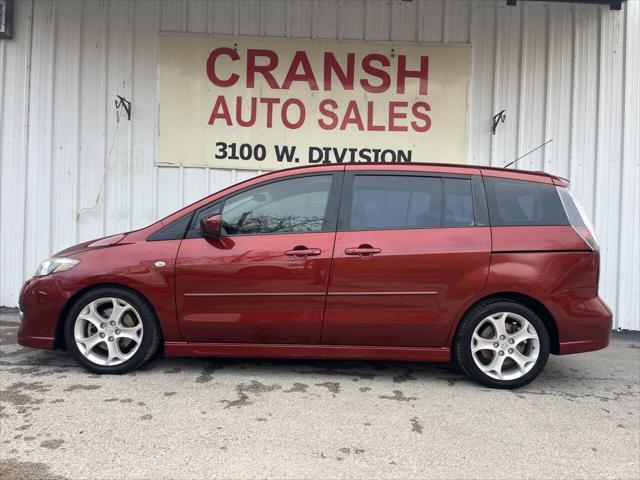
211 226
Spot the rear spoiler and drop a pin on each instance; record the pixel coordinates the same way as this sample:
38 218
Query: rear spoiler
561 182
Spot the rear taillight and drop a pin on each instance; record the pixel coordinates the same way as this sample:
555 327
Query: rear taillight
578 218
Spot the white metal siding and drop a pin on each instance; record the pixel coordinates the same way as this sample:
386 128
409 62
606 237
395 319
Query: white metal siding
567 72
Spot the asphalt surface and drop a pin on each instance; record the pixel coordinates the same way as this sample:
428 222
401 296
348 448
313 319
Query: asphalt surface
235 418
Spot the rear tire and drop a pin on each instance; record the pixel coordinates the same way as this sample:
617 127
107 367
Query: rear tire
111 330
502 344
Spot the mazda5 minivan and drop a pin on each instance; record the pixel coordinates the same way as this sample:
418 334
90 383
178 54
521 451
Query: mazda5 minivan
486 268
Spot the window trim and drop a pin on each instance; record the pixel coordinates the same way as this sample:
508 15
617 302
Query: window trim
344 216
331 212
480 208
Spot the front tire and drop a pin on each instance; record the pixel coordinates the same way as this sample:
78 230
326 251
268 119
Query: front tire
502 344
111 330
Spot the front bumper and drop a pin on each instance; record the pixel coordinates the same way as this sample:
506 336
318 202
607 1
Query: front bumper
41 303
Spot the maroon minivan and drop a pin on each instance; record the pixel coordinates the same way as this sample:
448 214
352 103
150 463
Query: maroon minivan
487 268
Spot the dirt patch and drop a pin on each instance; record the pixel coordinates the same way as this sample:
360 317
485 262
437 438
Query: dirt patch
173 370
52 444
17 395
207 372
398 396
338 372
11 469
73 388
333 387
404 377
298 387
416 426
243 390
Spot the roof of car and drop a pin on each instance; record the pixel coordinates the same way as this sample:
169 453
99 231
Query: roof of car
477 169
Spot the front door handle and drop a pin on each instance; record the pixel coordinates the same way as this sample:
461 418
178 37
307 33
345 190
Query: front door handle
363 251
302 252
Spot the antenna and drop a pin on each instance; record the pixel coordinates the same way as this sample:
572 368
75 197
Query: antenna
530 151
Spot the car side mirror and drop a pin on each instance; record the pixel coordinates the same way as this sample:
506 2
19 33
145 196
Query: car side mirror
211 226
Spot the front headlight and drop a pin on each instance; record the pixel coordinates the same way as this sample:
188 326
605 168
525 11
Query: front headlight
55 265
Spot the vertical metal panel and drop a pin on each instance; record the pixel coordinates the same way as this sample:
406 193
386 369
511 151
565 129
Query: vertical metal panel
169 183
585 85
326 20
377 20
431 21
144 97
37 227
194 185
95 113
483 52
221 17
120 80
559 89
627 300
567 72
249 17
533 85
352 19
299 15
457 21
196 12
66 104
174 15
274 19
507 77
16 65
404 16
608 147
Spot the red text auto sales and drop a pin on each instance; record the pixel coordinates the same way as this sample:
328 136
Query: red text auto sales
371 73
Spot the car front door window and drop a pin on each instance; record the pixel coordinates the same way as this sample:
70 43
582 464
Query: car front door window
297 205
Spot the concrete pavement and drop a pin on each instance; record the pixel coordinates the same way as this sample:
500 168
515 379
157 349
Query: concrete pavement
235 418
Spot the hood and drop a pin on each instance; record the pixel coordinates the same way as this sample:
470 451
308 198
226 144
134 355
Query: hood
95 243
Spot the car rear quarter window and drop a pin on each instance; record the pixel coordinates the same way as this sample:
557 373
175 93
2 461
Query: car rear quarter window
522 203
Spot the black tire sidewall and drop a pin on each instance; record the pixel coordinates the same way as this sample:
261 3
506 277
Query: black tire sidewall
471 320
150 329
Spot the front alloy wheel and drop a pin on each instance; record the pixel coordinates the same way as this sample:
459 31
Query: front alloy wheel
108 331
111 330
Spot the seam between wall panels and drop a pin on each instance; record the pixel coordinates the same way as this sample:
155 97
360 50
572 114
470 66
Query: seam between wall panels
26 131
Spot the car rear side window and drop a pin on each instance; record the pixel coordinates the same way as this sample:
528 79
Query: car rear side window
521 203
383 202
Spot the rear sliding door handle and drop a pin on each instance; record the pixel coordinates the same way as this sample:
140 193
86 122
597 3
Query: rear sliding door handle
301 252
363 251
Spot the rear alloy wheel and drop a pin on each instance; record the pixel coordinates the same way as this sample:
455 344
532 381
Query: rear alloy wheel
502 344
111 330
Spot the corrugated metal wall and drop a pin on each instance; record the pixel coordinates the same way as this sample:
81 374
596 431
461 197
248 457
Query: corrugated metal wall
567 72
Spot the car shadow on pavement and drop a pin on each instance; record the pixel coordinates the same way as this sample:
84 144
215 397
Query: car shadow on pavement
559 373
